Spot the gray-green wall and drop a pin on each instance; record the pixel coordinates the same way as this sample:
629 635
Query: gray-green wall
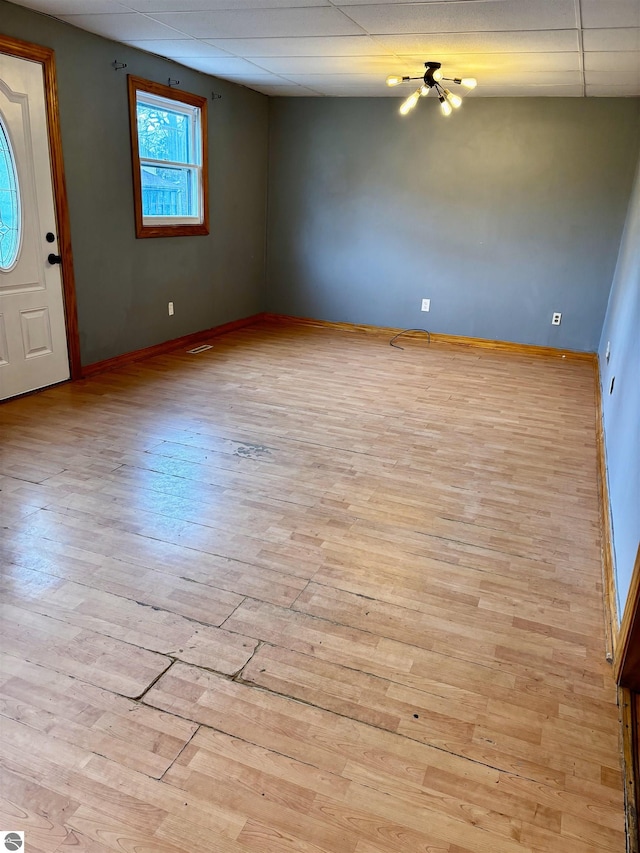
621 404
124 284
505 212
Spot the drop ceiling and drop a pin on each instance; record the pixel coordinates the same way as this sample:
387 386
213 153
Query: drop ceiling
567 48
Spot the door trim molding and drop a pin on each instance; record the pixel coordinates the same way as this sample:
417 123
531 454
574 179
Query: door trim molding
626 665
628 704
46 57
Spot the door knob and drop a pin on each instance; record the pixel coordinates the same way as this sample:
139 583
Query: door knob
54 259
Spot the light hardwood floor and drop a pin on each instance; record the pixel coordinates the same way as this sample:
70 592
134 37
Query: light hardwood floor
306 592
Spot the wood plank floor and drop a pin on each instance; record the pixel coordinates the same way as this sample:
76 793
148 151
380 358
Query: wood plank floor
306 592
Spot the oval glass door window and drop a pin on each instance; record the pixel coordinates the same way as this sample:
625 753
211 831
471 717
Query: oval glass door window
9 204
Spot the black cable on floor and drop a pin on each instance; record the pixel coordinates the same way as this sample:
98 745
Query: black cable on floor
395 337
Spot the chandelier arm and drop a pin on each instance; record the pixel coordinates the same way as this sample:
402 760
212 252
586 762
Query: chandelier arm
433 79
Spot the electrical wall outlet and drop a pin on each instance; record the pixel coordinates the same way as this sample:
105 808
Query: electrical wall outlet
556 319
171 309
426 305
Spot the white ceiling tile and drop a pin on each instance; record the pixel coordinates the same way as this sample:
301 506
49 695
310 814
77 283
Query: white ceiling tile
263 23
177 48
217 5
610 13
613 61
272 80
260 78
314 81
228 67
398 2
289 90
521 78
561 91
303 46
129 25
475 65
327 64
489 15
599 90
347 47
70 7
363 91
605 78
543 41
624 38
337 91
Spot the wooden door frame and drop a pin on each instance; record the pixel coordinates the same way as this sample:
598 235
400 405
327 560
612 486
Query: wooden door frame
46 57
626 669
626 665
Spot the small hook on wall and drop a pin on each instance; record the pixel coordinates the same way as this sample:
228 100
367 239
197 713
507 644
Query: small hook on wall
118 66
215 96
171 82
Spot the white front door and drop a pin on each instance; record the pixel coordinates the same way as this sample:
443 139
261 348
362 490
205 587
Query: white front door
33 340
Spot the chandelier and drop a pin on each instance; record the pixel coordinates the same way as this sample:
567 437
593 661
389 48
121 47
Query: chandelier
433 79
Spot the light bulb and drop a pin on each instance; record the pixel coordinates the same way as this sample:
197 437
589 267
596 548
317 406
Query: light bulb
410 103
454 100
394 80
437 74
469 82
424 91
445 106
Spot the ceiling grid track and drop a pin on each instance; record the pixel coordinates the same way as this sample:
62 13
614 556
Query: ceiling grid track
347 48
581 46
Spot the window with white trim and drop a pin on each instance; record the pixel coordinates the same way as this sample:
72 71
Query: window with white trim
168 136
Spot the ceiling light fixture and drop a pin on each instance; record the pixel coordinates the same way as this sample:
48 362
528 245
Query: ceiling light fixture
431 80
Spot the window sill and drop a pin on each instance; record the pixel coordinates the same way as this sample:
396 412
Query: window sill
181 230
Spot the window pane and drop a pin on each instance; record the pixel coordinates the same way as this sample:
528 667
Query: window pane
169 191
169 151
163 134
9 205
